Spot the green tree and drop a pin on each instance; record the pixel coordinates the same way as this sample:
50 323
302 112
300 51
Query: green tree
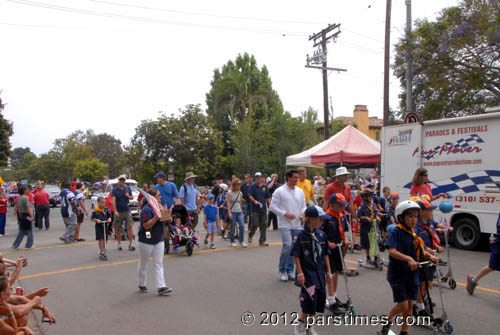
456 61
108 149
6 131
17 156
239 90
185 143
90 169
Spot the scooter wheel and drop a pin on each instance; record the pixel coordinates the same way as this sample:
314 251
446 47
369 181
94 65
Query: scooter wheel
444 279
452 283
448 328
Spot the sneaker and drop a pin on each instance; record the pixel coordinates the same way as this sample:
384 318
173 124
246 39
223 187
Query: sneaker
336 309
103 257
385 329
14 247
265 244
311 330
120 246
291 276
131 248
244 245
283 277
234 244
471 285
164 291
28 248
62 238
143 289
212 246
249 240
1 235
368 260
205 243
300 329
67 241
340 303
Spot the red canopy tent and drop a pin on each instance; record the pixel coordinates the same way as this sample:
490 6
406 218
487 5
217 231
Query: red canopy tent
348 147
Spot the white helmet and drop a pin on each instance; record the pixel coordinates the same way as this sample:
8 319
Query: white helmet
224 187
404 206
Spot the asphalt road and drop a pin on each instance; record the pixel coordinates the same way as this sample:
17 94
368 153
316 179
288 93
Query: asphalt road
212 289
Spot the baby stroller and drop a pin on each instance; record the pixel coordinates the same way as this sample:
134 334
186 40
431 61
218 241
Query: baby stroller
186 237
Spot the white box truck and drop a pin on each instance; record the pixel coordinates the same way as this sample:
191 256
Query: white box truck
462 156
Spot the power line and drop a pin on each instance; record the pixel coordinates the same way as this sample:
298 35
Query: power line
152 20
113 3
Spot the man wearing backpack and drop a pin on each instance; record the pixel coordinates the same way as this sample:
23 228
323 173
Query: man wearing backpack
189 196
69 212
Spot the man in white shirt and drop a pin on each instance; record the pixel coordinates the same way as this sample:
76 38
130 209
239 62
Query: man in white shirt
288 203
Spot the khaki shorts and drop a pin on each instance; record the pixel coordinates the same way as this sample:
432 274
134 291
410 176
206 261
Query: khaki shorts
123 216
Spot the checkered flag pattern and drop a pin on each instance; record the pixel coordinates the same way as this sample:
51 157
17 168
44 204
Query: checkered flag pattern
471 140
470 182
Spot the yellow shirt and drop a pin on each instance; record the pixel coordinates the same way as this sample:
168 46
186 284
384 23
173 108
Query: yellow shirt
307 187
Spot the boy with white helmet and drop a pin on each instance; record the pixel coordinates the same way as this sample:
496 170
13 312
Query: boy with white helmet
406 249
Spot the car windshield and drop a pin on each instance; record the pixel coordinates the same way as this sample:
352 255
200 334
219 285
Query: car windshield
51 188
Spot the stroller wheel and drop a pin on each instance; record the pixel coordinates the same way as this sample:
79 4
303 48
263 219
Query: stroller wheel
448 328
167 247
452 283
189 248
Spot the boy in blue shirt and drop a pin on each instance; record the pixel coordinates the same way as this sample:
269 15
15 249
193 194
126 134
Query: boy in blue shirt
406 249
494 264
102 219
310 252
332 226
366 214
211 220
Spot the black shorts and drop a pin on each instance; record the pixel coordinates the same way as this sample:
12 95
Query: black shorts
335 260
427 273
403 290
316 304
364 229
99 231
495 257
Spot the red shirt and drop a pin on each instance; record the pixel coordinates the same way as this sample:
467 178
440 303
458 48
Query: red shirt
421 190
3 206
336 188
42 198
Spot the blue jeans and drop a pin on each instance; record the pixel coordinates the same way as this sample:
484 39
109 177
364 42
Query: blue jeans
237 218
2 223
20 237
286 261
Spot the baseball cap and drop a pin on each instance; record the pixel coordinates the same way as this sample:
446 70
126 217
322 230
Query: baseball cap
160 175
394 195
314 211
338 198
210 196
258 174
426 205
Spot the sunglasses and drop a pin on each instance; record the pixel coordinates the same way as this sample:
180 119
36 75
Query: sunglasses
424 174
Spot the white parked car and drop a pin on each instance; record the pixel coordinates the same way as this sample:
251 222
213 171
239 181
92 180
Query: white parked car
110 184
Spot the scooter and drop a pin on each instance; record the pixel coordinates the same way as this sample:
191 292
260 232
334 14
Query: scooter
378 262
449 275
349 308
439 324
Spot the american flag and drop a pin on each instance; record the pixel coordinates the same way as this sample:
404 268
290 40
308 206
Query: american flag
152 202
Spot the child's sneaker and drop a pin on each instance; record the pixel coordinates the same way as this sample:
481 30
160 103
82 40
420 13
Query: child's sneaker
102 256
244 245
368 260
164 291
212 246
300 328
311 330
143 289
234 244
471 285
385 329
120 246
205 243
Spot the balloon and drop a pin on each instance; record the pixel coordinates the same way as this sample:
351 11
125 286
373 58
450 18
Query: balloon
445 206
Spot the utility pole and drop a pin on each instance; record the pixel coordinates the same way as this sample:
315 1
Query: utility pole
387 57
409 74
320 57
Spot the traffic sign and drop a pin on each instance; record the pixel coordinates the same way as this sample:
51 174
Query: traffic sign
412 118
